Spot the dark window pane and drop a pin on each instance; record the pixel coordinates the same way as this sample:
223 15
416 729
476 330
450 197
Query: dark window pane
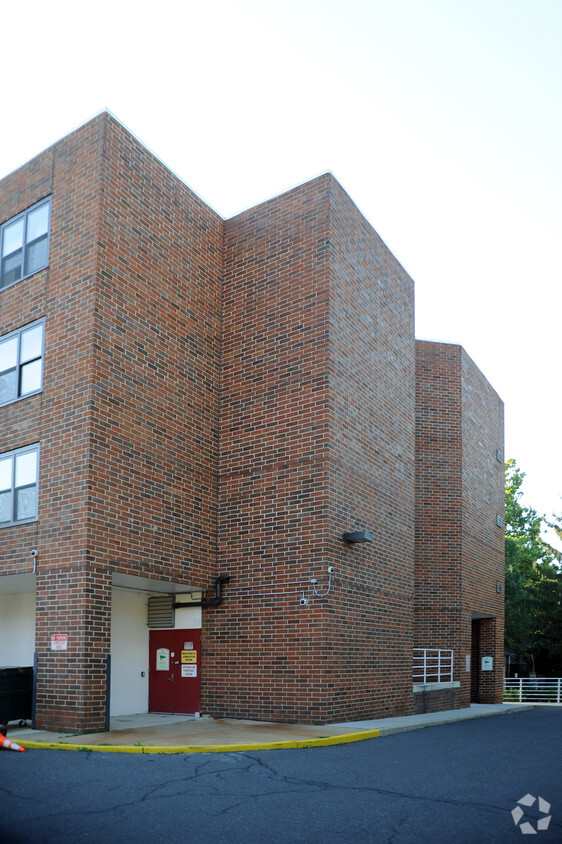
36 256
11 269
8 386
5 507
26 503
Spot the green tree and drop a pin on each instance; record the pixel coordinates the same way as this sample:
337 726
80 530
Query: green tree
556 526
533 583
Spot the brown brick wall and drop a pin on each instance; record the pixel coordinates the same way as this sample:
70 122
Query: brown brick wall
371 479
459 492
127 419
264 655
483 541
58 418
317 379
71 684
437 603
437 700
155 366
292 325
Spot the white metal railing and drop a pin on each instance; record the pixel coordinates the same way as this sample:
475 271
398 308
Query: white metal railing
532 690
433 665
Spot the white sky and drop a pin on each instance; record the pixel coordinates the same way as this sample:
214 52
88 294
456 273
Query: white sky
441 118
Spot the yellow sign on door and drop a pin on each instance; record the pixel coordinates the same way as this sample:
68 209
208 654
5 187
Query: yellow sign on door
188 656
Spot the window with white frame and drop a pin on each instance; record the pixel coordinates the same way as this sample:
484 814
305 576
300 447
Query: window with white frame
24 243
19 472
21 362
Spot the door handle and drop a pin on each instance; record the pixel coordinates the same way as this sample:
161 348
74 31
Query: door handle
171 678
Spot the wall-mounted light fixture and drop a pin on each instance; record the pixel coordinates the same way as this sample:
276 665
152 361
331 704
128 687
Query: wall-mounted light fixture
358 536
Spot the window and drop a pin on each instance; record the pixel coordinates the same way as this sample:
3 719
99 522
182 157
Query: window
21 362
18 485
24 244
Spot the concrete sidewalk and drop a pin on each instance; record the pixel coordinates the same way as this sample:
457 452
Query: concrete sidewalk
155 733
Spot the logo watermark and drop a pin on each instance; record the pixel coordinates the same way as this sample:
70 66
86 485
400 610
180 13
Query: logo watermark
527 827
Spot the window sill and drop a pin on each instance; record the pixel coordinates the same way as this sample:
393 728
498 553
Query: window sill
436 687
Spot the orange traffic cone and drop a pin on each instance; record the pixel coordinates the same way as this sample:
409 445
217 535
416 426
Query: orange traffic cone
10 745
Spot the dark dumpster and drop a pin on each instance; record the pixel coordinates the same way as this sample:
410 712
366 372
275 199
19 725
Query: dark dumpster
16 694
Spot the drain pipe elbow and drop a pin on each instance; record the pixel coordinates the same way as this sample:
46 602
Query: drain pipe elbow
209 602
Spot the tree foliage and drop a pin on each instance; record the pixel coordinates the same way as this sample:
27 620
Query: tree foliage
556 526
533 582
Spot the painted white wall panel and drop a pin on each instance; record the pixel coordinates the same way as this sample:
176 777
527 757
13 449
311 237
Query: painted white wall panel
17 629
129 652
189 618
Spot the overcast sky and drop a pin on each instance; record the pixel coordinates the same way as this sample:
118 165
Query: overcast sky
441 118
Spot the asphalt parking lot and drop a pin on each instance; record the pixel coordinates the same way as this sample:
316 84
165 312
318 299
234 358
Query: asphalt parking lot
456 782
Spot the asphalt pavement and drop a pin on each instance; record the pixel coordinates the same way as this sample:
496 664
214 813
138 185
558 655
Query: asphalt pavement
483 780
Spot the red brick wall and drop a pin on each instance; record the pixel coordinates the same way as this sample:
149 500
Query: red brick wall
59 417
371 479
264 656
71 684
317 379
436 700
155 370
459 493
308 360
483 541
437 604
48 294
127 419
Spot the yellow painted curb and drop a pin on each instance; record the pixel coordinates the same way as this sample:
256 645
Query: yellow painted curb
345 738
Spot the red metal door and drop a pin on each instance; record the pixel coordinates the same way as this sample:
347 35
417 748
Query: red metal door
174 678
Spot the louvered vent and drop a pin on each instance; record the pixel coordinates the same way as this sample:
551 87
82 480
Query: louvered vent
161 611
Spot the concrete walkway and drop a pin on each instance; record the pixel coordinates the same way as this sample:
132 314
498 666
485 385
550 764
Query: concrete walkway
154 733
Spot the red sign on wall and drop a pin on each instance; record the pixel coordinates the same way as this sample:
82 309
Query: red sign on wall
59 642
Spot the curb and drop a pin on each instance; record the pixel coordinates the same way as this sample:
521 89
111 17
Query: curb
345 738
442 722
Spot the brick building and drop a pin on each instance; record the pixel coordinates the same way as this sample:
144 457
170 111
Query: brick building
194 412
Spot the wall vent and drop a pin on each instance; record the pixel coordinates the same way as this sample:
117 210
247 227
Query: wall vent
161 611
